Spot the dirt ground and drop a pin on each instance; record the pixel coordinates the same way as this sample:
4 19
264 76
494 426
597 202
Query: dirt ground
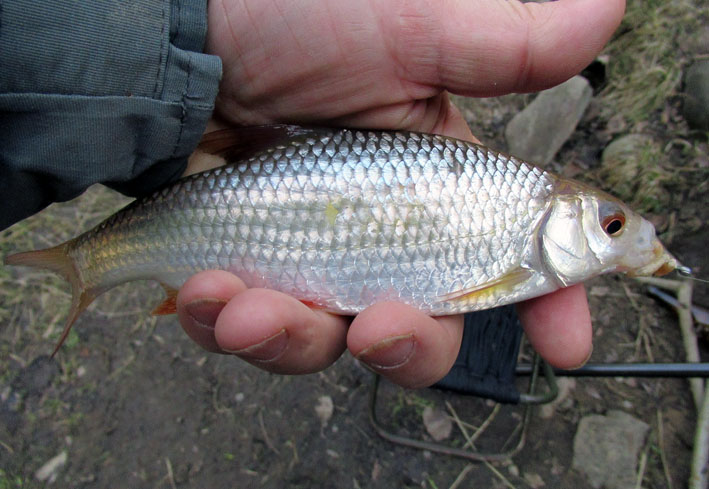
132 402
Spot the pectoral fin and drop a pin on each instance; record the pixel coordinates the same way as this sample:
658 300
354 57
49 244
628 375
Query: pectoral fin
169 305
506 282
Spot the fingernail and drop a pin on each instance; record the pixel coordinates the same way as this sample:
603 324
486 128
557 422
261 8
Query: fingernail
588 357
204 312
266 351
389 353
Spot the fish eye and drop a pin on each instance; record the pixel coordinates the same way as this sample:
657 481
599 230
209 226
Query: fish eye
613 224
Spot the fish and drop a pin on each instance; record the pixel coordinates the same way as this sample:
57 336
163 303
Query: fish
343 218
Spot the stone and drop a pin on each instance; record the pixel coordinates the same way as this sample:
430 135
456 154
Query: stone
538 132
631 167
606 449
624 148
49 471
324 409
696 95
438 424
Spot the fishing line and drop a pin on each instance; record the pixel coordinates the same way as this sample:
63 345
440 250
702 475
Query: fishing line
687 272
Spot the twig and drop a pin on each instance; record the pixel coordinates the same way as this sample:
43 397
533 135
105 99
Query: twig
641 468
265 434
684 296
470 441
485 424
170 476
120 369
683 289
6 447
661 443
700 454
499 475
643 336
459 423
461 477
296 460
663 283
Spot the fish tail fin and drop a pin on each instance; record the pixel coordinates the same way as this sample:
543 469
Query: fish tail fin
57 260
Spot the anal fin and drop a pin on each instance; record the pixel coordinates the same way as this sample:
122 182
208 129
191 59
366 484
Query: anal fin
311 304
507 281
169 305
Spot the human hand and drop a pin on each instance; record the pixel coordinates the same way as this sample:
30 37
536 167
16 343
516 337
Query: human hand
335 63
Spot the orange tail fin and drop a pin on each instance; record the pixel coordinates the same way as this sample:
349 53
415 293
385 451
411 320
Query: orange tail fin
58 260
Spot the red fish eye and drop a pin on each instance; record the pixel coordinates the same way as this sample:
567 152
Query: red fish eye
613 224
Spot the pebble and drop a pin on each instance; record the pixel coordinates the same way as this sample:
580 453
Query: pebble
438 424
324 409
606 449
696 95
538 132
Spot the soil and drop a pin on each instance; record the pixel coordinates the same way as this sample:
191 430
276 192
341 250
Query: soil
134 403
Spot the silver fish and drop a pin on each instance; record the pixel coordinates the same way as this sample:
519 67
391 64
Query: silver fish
341 219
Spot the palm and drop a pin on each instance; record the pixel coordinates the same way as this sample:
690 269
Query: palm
342 71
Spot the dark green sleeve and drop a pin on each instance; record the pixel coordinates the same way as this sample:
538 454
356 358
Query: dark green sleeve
110 91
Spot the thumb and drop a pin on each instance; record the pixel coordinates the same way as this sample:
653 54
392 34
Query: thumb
488 48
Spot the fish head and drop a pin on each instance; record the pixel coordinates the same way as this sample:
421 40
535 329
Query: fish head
588 232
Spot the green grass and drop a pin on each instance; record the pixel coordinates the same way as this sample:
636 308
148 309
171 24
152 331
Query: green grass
8 481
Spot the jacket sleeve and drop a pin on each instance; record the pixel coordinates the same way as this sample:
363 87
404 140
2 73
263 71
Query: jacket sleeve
99 91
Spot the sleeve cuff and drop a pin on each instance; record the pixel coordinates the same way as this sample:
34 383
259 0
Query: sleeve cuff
131 129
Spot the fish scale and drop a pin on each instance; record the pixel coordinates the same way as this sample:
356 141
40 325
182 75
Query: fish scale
389 227
343 218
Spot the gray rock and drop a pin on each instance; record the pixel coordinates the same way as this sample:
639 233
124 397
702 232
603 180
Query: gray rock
625 147
696 95
606 449
631 168
539 131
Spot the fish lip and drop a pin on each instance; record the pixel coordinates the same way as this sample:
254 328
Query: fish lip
662 264
665 268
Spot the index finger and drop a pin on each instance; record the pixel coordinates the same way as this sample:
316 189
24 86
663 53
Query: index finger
558 325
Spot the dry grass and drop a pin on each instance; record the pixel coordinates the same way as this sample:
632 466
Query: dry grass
638 178
646 59
34 303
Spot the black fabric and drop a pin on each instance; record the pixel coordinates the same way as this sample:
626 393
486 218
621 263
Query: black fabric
486 363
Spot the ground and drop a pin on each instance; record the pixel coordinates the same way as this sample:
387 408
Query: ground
134 403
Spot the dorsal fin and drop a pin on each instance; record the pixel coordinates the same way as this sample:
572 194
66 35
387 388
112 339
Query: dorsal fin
239 143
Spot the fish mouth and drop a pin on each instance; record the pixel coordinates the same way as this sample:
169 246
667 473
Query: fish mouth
664 269
661 264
